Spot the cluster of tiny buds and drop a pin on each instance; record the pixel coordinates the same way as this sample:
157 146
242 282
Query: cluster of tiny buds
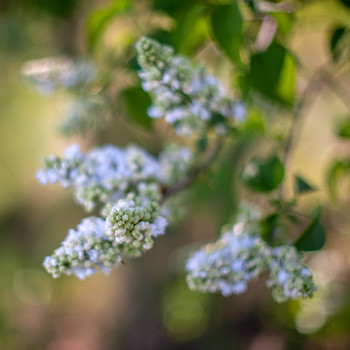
135 224
240 255
85 250
108 173
289 278
184 94
227 265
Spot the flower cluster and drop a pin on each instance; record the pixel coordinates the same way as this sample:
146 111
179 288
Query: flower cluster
50 73
227 265
184 94
84 250
126 184
241 255
289 278
134 222
108 173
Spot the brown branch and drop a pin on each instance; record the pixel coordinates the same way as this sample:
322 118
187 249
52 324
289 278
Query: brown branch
193 175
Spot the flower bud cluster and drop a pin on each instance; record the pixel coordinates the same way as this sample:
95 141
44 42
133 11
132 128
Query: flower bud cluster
289 278
184 94
227 265
241 255
133 222
84 250
108 173
51 73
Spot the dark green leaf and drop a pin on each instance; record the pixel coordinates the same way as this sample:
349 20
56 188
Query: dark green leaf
314 236
344 130
202 144
345 3
272 73
301 186
268 226
263 175
335 41
135 102
99 20
227 25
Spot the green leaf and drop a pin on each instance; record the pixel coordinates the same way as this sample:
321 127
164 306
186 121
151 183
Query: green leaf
335 41
190 31
135 102
263 175
345 3
202 143
284 22
301 186
338 169
272 73
314 235
227 26
99 20
268 226
344 130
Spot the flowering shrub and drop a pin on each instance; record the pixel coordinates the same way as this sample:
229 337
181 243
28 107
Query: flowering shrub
129 189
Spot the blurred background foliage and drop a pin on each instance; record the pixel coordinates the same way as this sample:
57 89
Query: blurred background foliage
280 52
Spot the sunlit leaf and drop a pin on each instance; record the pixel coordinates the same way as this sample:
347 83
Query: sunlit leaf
99 20
337 170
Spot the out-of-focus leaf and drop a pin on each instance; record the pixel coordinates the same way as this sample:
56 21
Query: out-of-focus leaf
202 143
301 186
253 124
284 22
135 102
345 3
337 170
314 236
272 73
335 40
227 25
99 20
344 130
268 225
190 30
263 175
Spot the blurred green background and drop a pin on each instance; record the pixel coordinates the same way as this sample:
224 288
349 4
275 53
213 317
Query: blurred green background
146 304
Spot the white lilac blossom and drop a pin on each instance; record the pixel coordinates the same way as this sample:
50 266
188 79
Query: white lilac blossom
227 265
289 278
240 255
85 251
134 222
102 175
183 93
50 73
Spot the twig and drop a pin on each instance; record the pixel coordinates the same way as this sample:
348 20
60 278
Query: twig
193 175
